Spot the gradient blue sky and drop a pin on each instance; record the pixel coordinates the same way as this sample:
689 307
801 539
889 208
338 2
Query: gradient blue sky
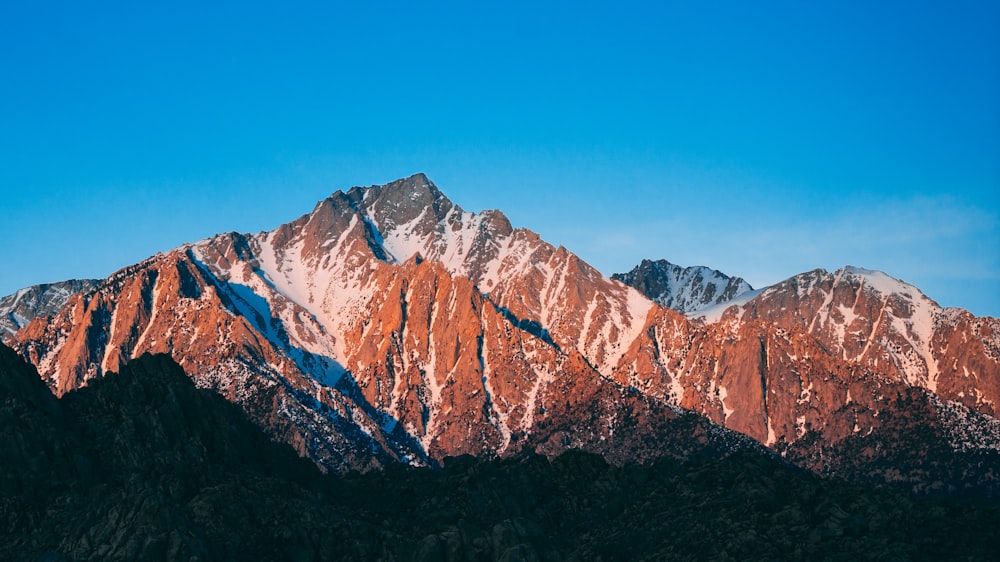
763 139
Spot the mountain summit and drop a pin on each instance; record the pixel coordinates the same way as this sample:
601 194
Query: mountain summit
391 325
684 289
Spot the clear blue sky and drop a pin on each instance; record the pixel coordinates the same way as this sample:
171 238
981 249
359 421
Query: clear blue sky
763 139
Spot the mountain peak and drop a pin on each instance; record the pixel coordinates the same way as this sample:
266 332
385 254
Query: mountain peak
402 201
684 289
880 281
417 187
852 278
860 270
418 180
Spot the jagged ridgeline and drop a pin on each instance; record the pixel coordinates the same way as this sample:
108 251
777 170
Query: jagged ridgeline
684 289
142 465
389 325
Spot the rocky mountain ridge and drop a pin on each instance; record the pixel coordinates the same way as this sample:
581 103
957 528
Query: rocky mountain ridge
874 320
389 324
357 359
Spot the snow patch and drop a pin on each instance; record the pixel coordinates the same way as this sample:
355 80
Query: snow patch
713 314
726 410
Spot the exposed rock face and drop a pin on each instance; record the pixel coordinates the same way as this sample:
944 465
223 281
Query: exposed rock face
784 389
356 358
388 324
684 289
18 309
888 326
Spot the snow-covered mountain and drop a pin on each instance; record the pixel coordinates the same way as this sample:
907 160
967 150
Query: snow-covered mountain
25 305
390 324
684 289
546 290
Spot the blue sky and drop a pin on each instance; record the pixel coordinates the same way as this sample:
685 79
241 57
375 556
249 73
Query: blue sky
763 139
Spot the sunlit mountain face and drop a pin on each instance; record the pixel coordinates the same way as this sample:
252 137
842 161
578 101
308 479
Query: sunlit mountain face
389 325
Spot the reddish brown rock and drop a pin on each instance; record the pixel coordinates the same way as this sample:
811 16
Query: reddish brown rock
389 324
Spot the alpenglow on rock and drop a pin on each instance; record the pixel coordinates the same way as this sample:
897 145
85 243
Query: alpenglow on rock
887 325
390 325
386 325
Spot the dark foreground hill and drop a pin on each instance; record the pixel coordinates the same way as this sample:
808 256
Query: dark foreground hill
144 466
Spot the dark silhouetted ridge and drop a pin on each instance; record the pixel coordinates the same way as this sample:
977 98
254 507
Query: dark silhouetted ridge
142 465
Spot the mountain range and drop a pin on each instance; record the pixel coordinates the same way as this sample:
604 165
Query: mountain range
389 325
